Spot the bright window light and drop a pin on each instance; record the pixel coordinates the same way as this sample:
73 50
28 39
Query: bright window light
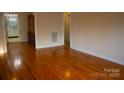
2 52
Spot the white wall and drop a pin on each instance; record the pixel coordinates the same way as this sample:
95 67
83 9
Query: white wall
45 23
99 34
3 47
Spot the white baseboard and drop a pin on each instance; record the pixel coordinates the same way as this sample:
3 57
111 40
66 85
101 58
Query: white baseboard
106 57
50 45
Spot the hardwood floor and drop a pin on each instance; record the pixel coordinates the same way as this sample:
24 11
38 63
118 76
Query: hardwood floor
23 62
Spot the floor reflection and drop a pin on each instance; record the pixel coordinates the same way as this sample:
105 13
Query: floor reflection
67 74
17 63
14 78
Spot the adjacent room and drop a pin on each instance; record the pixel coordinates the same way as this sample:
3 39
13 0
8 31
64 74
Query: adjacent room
61 46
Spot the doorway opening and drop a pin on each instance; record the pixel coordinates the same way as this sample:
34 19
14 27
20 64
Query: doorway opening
12 27
67 29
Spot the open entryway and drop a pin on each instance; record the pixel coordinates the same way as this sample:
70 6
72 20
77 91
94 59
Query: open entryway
20 27
12 27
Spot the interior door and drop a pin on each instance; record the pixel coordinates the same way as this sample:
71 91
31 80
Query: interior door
31 29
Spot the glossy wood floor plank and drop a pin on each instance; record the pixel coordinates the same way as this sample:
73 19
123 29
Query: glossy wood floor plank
23 62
